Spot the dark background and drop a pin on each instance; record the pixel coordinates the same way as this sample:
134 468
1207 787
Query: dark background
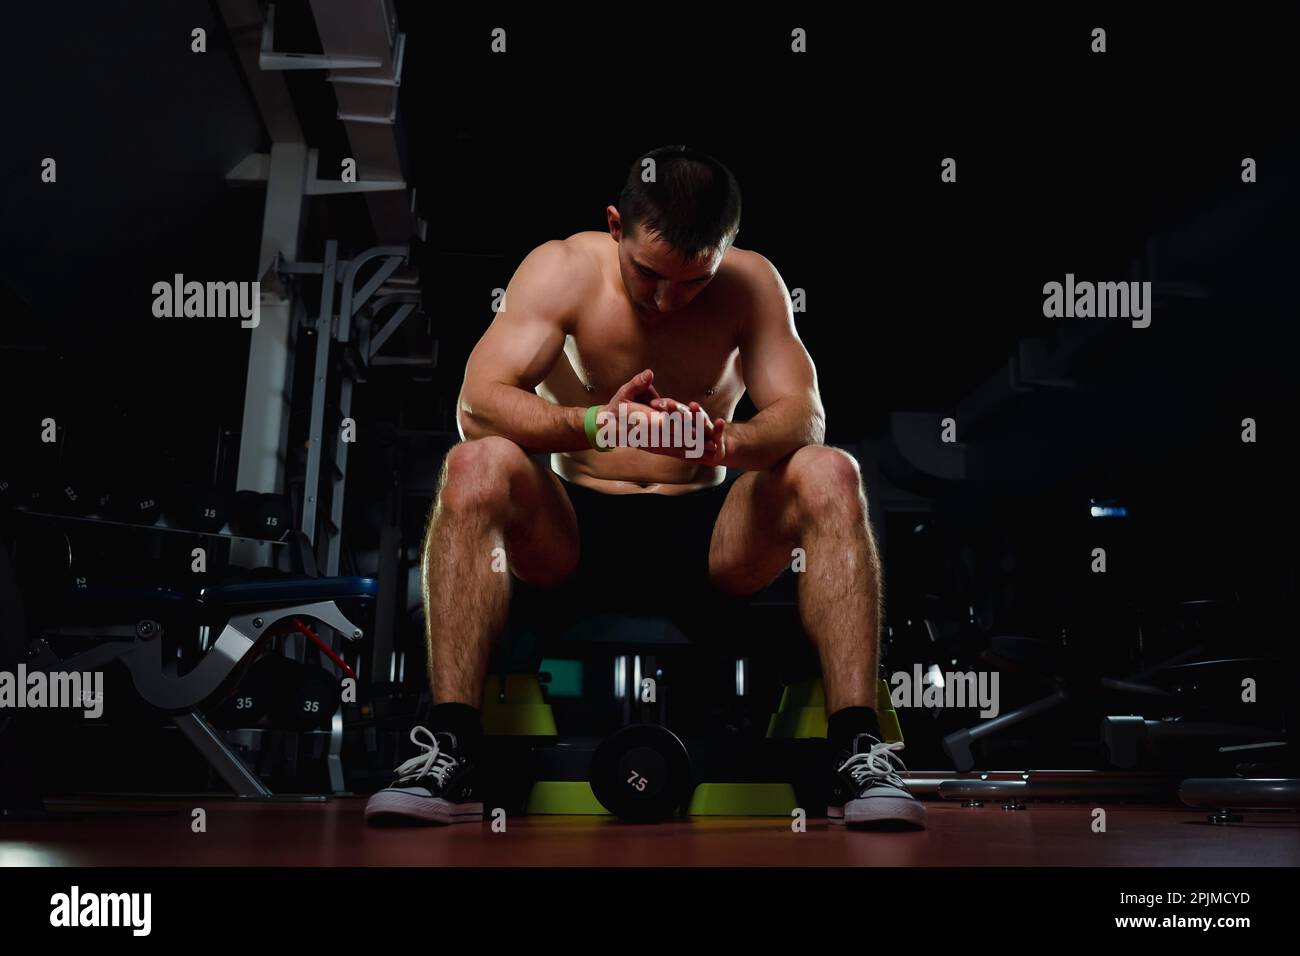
918 292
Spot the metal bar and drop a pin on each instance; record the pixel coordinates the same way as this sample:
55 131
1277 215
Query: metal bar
302 268
261 451
335 544
315 435
388 120
335 759
1240 793
390 543
981 789
957 745
346 308
407 360
297 319
363 337
394 295
395 80
325 187
219 756
328 187
391 326
253 168
372 286
246 23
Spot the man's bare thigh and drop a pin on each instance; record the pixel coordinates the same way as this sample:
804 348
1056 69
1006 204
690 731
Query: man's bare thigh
542 531
752 540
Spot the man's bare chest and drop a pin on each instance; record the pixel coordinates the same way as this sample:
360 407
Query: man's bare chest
689 365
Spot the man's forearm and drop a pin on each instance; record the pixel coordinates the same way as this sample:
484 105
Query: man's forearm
527 419
783 427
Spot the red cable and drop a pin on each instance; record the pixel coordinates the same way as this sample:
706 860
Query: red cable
324 648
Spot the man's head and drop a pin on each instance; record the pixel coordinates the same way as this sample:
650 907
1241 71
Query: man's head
675 219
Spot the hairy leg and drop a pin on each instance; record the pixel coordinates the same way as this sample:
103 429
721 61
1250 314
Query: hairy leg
492 495
812 500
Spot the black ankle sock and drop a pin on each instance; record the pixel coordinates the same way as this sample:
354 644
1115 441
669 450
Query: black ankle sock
462 720
847 722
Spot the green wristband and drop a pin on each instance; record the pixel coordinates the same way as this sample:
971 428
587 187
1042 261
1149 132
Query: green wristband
589 425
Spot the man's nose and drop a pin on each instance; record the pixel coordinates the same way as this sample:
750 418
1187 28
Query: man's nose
665 298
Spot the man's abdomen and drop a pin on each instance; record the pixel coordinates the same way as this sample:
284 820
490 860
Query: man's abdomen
632 471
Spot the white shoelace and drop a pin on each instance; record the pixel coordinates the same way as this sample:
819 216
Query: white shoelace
877 764
431 762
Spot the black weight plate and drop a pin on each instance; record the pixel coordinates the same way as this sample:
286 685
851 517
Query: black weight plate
645 769
642 773
253 695
198 508
308 697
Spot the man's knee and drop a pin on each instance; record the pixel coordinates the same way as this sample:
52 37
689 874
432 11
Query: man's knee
477 475
826 481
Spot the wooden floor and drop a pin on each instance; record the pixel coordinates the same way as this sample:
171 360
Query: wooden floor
158 833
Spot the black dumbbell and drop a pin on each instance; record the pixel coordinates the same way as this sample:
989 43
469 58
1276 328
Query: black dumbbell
274 517
137 505
264 516
67 497
199 508
101 501
43 561
132 501
307 699
11 491
34 496
12 470
76 486
642 774
88 572
35 476
71 494
253 694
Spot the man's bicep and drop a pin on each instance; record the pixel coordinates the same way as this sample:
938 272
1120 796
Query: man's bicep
526 337
775 363
517 350
777 366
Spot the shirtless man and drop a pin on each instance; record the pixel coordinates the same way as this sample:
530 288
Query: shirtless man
661 315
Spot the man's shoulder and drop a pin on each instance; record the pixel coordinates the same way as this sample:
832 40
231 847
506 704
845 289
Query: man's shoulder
749 279
582 249
574 252
560 270
748 265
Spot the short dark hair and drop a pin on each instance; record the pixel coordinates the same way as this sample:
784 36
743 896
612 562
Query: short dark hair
693 203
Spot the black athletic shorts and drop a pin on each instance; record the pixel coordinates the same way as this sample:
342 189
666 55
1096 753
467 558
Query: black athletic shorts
641 553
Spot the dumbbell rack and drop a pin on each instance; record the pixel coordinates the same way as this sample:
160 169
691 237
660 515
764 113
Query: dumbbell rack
360 304
370 311
160 525
182 696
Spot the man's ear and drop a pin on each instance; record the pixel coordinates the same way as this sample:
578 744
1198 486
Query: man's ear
615 222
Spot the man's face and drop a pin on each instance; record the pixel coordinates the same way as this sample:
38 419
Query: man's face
656 277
